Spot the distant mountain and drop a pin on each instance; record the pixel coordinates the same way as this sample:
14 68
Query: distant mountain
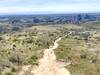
50 18
10 23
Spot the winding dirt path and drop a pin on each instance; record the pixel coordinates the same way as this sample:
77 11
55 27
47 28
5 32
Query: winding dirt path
48 65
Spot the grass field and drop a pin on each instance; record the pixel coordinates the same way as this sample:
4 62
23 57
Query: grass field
83 60
81 47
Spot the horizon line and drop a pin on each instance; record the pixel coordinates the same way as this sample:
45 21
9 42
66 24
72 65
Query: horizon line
27 13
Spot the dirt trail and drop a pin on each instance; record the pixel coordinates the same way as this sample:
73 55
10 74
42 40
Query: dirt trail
48 65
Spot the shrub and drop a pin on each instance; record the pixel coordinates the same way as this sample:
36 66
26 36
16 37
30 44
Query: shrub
33 60
8 73
13 69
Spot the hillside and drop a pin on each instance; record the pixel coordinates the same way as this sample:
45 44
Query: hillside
25 48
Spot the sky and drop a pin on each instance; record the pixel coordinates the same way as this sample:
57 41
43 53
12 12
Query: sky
48 6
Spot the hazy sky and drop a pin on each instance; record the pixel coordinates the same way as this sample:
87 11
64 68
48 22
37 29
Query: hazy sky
48 6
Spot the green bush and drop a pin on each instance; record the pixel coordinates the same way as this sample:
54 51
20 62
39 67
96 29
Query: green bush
8 73
13 69
33 60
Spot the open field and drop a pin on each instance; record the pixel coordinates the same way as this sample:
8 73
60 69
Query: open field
80 47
